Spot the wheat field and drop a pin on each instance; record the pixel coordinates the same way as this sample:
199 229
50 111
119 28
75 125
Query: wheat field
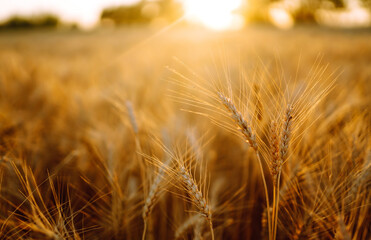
185 134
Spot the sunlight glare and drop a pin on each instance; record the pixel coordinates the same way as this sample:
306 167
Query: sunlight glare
281 18
214 14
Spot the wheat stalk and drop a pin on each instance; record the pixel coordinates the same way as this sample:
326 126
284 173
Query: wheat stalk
283 149
250 138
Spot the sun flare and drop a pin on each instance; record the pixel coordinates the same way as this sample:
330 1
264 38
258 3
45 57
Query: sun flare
214 14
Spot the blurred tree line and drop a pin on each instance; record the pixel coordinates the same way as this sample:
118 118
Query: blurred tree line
143 12
166 11
146 11
301 10
39 21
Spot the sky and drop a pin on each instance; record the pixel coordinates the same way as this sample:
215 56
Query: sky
86 13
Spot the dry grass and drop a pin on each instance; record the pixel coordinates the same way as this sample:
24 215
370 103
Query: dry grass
259 134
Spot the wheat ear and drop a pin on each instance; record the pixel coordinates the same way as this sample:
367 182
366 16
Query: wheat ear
132 118
239 120
342 231
154 190
284 145
186 225
153 194
196 196
197 230
286 132
250 138
274 151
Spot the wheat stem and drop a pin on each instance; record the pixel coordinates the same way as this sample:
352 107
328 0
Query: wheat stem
277 199
284 145
211 229
144 231
266 195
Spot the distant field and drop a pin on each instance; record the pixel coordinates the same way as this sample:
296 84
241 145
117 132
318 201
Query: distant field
119 134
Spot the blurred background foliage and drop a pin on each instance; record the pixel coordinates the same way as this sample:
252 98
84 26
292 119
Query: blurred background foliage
39 21
162 12
143 12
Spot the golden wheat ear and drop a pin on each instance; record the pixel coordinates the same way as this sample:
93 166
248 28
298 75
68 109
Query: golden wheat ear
239 120
279 143
286 133
274 151
132 118
153 195
179 175
196 196
187 224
